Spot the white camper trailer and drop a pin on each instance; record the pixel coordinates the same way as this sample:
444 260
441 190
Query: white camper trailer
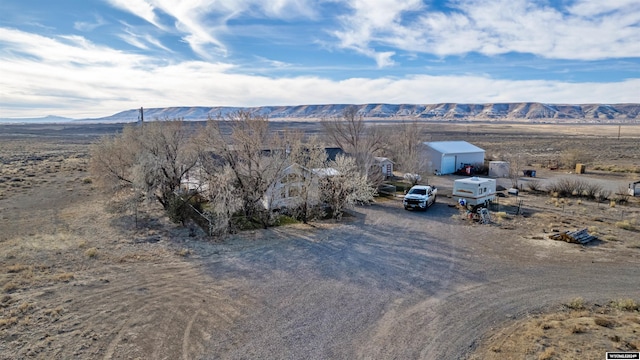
474 191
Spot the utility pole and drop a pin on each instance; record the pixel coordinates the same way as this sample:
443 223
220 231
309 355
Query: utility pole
619 126
141 116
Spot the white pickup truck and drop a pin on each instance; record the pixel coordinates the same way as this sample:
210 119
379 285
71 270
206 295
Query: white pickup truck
420 197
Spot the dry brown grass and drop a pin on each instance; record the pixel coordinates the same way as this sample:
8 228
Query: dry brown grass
7 322
91 252
547 354
625 305
64 277
16 268
10 287
605 322
55 312
626 225
576 303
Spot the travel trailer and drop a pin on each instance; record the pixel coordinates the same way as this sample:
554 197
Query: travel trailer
474 191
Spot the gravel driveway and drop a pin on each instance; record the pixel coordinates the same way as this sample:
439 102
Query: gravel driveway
398 284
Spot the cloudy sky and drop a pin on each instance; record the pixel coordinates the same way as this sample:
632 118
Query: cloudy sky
89 58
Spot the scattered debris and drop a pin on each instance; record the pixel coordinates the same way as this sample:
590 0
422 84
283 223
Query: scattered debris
576 237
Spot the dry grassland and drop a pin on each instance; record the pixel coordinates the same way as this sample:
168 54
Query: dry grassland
80 282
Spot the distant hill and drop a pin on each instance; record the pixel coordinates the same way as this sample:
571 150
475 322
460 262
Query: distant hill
41 120
528 112
525 112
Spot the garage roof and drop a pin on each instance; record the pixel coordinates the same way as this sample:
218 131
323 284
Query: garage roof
453 147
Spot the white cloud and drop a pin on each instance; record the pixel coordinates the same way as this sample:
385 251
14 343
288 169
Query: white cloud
70 76
141 41
140 8
369 22
90 26
587 30
203 23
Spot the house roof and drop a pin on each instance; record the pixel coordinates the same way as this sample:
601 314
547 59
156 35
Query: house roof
333 152
380 159
453 147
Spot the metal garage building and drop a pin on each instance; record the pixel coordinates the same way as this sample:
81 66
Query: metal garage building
446 157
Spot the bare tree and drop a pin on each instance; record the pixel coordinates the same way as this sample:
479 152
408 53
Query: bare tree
112 164
343 185
224 198
405 145
151 160
113 159
354 136
311 157
517 163
571 157
255 156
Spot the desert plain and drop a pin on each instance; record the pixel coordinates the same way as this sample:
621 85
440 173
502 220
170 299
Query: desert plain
80 281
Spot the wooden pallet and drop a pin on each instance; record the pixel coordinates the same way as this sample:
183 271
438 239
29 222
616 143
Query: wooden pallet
575 237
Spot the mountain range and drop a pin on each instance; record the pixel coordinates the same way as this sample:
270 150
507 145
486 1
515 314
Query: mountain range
528 112
531 112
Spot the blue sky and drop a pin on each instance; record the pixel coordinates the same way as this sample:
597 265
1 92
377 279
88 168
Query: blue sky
90 58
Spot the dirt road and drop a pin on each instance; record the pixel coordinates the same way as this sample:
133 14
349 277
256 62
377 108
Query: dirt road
395 284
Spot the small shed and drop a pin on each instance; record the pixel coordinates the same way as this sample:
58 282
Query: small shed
499 169
385 164
446 157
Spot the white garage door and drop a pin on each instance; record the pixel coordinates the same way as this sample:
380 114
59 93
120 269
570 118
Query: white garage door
448 164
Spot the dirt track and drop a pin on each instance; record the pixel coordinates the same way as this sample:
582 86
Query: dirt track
386 284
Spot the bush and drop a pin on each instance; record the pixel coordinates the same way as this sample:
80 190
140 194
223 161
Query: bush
592 191
534 185
285 220
577 188
576 304
91 252
603 195
625 305
626 225
622 195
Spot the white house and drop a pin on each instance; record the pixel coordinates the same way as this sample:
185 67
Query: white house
286 192
446 157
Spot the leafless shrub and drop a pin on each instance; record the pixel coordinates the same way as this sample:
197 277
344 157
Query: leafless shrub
603 195
592 190
622 195
566 187
534 186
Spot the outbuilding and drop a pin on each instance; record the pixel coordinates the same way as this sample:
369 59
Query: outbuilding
385 165
446 157
499 169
